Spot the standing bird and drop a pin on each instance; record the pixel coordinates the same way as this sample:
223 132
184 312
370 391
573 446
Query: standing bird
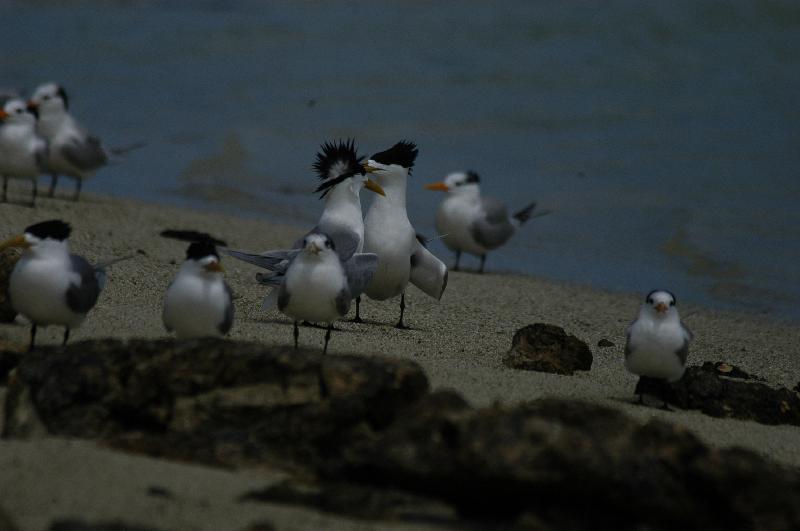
343 176
73 151
23 153
198 301
657 342
389 234
316 287
471 223
49 285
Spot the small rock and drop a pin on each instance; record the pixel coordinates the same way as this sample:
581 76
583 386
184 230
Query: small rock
8 259
605 343
547 348
729 371
158 492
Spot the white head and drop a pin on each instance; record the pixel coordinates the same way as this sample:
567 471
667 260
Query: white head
42 238
395 162
50 99
340 168
202 258
318 245
660 304
17 112
458 183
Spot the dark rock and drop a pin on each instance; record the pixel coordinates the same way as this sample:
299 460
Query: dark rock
372 441
6 524
8 360
8 259
605 343
158 492
547 348
729 370
717 394
79 525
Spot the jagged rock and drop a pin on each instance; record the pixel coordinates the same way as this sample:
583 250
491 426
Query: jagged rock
605 343
8 259
547 348
354 424
729 392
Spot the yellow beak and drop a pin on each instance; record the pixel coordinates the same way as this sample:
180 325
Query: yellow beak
368 168
16 241
215 267
375 187
437 187
3 114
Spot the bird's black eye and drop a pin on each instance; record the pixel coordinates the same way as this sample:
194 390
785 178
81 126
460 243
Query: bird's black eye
672 303
328 243
46 97
19 111
649 300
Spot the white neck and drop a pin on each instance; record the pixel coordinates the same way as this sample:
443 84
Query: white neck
394 184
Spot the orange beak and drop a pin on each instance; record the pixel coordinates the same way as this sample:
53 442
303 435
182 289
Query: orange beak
16 241
369 184
3 114
368 168
661 307
214 267
437 187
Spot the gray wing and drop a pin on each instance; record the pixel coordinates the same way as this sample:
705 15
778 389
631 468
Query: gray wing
683 352
688 333
283 297
82 297
493 228
360 270
41 156
343 302
272 260
85 154
628 349
345 241
428 273
227 322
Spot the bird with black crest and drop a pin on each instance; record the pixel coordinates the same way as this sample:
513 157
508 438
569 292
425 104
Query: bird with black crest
50 286
472 223
198 302
23 153
388 233
342 177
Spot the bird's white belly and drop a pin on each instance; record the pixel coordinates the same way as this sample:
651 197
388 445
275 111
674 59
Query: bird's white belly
195 308
312 292
654 353
38 291
393 245
454 218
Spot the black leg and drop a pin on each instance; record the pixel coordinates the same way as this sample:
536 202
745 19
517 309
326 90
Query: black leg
402 311
5 188
66 337
33 337
296 334
327 338
53 182
458 259
483 261
78 186
357 318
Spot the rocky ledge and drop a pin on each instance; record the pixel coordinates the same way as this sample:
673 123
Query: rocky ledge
365 436
548 348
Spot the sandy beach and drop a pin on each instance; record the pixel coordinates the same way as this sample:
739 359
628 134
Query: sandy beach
459 342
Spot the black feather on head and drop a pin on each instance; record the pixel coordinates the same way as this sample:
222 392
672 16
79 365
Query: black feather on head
192 236
199 250
649 299
63 93
335 163
54 229
472 177
404 153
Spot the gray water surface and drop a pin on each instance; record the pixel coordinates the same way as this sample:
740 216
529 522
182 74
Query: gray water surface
662 135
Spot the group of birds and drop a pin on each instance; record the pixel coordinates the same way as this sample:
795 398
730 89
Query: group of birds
39 136
347 255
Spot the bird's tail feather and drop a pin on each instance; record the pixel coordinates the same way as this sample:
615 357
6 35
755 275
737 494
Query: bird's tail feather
273 260
102 265
124 150
527 213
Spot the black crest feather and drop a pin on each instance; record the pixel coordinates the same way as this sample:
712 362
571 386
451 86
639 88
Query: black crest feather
198 250
648 300
192 236
336 162
472 177
63 93
404 153
55 229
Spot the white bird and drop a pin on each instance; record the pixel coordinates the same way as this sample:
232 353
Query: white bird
343 176
389 234
23 153
316 287
198 301
49 285
73 151
657 342
471 223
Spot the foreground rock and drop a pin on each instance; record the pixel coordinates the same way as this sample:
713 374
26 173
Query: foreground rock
366 438
548 348
724 390
8 259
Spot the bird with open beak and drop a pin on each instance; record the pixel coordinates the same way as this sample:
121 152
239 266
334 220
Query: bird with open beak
657 342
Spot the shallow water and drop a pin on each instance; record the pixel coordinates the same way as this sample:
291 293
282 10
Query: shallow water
663 136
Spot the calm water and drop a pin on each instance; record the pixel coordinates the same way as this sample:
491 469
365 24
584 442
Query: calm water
663 137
